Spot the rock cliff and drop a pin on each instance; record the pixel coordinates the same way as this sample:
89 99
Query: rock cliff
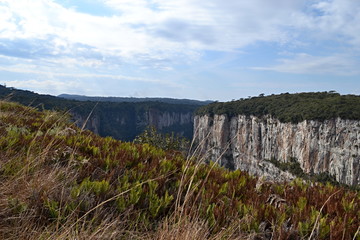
162 120
92 123
244 142
127 124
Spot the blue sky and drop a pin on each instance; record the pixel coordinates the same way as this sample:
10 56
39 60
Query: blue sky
198 49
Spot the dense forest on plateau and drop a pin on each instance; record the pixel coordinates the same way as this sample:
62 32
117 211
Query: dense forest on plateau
291 107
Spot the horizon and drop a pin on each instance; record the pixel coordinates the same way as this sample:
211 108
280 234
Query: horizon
197 50
241 98
208 100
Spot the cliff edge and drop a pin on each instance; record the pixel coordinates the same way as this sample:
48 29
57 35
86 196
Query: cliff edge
246 142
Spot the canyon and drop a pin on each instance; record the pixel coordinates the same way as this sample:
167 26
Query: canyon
127 124
120 118
318 131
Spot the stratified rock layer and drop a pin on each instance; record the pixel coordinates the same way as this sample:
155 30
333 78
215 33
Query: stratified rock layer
243 142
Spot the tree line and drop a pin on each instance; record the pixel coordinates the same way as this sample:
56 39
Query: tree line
291 107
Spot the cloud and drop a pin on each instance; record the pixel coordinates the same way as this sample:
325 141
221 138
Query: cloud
335 20
303 63
34 23
185 32
26 70
215 25
148 41
159 29
54 87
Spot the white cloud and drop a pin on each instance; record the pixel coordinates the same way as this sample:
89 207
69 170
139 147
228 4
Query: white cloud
44 19
28 69
159 29
166 28
211 25
53 87
158 34
333 20
307 64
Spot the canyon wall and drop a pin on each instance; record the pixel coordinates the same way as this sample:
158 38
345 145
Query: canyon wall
245 142
162 120
127 124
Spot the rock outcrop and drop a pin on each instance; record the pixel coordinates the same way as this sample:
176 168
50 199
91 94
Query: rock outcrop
245 142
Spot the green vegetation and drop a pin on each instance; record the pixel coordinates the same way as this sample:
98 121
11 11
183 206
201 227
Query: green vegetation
61 182
292 166
291 107
121 120
166 141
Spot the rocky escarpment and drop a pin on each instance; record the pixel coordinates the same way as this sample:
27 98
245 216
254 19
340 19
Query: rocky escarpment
127 124
162 120
89 122
244 142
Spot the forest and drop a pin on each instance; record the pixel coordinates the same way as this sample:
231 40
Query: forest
291 107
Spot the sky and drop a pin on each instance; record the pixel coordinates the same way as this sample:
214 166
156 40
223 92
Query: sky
196 49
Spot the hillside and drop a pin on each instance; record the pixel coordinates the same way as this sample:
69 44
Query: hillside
59 182
291 107
133 99
121 120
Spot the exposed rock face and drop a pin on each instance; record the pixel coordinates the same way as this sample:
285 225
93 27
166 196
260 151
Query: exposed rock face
243 142
92 123
162 120
126 125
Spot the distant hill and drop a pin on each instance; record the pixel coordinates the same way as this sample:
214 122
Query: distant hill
133 99
291 107
121 120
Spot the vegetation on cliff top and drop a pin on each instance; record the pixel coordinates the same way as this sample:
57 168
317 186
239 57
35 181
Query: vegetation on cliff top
61 182
291 107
